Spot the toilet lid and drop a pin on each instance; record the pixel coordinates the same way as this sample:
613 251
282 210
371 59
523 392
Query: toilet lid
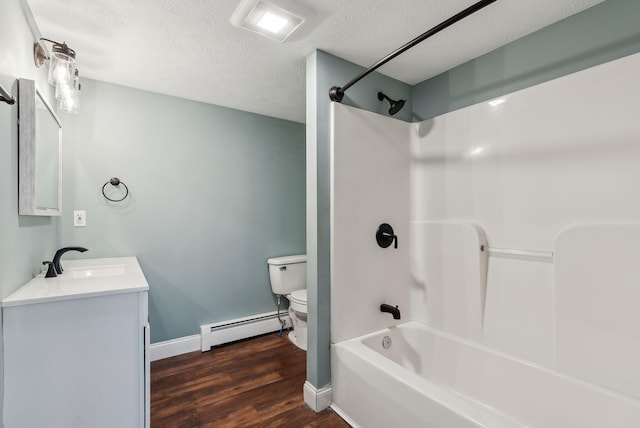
299 296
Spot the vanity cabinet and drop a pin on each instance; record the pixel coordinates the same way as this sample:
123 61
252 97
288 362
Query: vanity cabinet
76 348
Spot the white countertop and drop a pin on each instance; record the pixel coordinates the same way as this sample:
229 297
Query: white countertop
82 278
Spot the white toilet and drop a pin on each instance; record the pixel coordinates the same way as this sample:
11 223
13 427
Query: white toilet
288 277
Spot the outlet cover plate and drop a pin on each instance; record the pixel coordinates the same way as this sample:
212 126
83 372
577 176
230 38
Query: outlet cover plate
79 218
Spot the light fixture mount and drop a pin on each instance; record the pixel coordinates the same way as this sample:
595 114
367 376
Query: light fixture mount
40 53
275 19
63 49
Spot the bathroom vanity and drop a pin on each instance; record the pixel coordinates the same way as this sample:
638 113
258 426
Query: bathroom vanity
76 348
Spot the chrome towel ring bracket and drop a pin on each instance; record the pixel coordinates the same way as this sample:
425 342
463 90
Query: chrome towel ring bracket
115 181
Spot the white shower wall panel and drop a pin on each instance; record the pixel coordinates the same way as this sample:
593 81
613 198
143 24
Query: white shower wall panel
369 186
554 155
562 152
449 272
519 310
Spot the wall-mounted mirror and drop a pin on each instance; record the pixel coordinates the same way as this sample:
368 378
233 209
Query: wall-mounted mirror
40 154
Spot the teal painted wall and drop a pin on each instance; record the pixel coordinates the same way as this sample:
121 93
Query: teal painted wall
214 192
602 33
335 71
25 241
323 72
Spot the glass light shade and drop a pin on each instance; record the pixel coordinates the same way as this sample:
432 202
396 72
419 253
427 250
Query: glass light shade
70 104
62 64
64 90
69 99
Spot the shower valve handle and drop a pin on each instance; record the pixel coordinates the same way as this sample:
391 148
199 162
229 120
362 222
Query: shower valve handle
385 236
390 236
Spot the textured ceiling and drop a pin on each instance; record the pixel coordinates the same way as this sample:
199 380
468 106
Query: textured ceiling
189 49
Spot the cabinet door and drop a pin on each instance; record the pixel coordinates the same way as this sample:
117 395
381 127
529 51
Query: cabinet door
74 363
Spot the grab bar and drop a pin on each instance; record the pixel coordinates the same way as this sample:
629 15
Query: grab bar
531 255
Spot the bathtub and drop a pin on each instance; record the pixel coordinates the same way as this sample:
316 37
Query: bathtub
430 379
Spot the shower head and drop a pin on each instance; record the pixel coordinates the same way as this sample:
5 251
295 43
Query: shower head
395 106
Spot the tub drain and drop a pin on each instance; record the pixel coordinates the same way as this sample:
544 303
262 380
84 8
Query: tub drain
386 342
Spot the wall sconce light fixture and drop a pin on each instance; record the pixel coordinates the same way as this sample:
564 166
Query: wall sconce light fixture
63 73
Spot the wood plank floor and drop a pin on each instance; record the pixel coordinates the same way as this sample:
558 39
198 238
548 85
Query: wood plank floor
252 383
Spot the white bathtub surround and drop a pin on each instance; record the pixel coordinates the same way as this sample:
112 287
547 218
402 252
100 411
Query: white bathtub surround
449 268
597 308
538 330
519 314
317 399
369 186
430 378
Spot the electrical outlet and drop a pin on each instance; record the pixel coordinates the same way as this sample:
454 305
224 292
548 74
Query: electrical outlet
79 218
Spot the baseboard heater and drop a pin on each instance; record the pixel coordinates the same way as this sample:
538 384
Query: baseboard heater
241 328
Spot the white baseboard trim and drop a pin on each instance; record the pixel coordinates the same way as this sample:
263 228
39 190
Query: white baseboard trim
171 348
317 399
344 416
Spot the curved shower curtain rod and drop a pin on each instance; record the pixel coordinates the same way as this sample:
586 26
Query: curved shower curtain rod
336 93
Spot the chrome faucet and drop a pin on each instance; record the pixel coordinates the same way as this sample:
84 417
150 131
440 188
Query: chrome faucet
393 311
56 259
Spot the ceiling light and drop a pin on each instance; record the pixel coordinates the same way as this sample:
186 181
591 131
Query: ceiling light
272 22
276 19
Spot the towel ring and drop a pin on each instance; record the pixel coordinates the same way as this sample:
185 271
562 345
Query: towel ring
115 181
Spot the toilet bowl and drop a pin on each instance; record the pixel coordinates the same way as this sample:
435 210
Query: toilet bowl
298 315
288 277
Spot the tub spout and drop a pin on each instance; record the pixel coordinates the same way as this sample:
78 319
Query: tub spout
393 311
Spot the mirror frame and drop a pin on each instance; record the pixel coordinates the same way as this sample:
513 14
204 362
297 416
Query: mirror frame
27 144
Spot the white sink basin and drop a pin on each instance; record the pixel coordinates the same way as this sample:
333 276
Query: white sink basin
94 271
82 278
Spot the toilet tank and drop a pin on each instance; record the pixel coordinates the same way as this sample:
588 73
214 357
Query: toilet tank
288 273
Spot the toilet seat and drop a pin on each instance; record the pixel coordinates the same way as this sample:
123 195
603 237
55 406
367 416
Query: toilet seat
298 301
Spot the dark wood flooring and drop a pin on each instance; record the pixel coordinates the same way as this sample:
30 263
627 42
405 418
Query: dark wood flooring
252 383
